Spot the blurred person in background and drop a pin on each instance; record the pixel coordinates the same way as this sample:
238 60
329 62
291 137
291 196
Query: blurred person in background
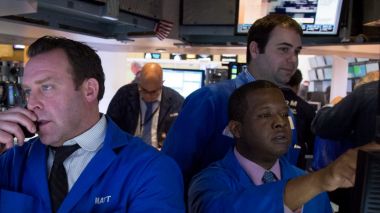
351 120
136 69
303 113
147 108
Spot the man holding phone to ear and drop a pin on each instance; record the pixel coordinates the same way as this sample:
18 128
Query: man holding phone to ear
80 161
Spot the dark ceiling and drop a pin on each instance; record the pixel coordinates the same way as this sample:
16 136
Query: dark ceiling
199 22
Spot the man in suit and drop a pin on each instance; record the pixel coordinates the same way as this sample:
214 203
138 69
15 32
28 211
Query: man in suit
303 113
146 108
81 160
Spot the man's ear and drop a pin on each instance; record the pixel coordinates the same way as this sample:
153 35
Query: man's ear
90 89
254 49
235 128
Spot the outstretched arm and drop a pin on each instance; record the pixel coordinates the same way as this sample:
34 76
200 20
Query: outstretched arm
339 174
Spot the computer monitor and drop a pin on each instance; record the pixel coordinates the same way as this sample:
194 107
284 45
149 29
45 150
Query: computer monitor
312 75
359 70
316 17
235 68
313 62
320 61
327 73
184 81
329 60
366 196
372 67
320 74
351 71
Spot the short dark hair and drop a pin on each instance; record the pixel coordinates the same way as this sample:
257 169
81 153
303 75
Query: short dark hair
82 58
261 29
238 103
295 79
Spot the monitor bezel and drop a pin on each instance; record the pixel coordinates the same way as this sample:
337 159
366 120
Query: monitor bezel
188 70
336 34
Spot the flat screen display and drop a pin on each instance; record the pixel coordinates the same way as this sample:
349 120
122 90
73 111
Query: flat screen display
327 72
359 70
320 74
316 17
184 81
371 67
312 75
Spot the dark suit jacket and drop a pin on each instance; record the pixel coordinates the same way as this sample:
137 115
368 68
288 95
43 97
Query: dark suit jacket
303 113
124 109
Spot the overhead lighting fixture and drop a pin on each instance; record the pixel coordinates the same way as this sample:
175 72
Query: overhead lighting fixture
19 46
111 10
161 50
110 18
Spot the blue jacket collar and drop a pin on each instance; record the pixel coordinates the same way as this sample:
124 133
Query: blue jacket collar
230 163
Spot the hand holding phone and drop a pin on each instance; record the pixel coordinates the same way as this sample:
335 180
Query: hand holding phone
27 133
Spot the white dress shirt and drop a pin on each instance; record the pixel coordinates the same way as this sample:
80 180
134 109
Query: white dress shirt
90 143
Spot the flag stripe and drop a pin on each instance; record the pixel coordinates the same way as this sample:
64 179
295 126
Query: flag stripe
163 28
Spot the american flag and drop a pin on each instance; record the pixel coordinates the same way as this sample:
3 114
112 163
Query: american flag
163 29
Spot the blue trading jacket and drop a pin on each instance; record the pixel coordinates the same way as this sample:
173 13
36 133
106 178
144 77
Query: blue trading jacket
126 175
225 187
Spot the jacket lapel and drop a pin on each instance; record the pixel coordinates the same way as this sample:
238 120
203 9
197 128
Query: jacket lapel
97 166
37 170
165 106
287 173
232 164
133 98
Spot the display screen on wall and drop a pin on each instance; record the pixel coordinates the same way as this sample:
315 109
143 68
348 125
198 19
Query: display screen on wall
152 55
320 61
327 73
371 67
316 17
351 71
320 74
360 70
184 81
312 75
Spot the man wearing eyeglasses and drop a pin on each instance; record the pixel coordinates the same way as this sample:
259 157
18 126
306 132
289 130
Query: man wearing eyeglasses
146 108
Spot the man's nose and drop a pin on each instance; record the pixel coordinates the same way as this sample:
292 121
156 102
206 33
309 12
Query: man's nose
33 102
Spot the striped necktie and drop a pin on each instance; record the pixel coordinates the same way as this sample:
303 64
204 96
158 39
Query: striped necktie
268 177
147 129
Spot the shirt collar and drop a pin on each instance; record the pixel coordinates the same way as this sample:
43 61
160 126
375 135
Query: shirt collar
158 100
244 78
255 171
93 138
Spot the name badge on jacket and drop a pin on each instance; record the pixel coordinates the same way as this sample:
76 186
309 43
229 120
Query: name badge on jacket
101 200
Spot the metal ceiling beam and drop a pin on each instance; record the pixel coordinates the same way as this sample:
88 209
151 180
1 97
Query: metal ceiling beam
90 18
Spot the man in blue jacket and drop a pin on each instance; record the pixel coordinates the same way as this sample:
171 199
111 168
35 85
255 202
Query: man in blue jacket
199 135
254 176
80 161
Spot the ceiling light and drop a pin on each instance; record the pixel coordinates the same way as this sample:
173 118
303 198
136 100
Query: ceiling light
19 46
161 50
